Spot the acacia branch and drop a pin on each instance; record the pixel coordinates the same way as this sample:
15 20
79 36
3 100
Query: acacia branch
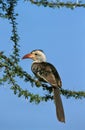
17 71
57 4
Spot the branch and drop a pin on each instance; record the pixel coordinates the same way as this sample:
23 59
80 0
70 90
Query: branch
57 4
19 72
15 37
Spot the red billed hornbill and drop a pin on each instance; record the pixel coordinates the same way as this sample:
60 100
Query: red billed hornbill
46 72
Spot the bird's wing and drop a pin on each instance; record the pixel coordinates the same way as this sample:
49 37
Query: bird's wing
47 72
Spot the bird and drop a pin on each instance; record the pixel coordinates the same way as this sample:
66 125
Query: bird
46 72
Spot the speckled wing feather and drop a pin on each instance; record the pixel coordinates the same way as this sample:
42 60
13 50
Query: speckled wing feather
47 72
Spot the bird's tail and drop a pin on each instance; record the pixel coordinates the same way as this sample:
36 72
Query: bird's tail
59 105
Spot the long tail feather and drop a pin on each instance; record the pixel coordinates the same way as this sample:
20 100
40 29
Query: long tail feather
59 105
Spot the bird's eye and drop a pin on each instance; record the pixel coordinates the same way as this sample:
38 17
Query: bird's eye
36 54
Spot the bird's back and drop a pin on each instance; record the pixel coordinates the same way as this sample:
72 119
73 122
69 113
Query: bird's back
46 72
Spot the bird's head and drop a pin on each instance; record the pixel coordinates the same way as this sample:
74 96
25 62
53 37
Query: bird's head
36 55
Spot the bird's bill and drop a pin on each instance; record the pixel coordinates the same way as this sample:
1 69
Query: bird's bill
27 56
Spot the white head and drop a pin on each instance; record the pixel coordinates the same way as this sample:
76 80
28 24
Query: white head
36 55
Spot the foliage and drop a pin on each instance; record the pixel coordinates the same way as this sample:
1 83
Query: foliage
10 67
58 3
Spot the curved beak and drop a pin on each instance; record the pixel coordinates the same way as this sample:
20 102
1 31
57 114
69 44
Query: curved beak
27 56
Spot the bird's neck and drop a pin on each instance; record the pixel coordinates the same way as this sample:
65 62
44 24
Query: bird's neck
38 61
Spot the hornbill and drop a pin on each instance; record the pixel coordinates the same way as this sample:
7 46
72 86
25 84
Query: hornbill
46 72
